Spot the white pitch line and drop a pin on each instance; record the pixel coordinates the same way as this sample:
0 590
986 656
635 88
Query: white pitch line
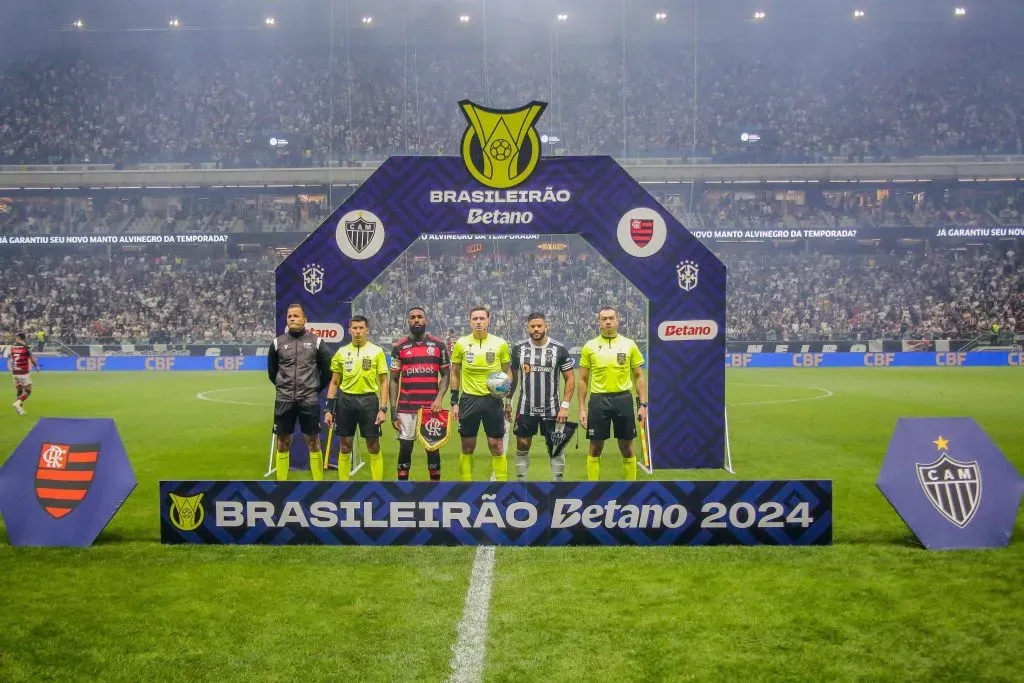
205 396
825 393
468 652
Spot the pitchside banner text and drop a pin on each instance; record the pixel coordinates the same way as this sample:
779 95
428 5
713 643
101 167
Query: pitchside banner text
898 359
530 514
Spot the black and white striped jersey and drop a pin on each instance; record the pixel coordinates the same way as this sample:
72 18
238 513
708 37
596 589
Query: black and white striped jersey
538 370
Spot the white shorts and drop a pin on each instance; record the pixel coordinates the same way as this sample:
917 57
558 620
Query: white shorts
23 380
407 426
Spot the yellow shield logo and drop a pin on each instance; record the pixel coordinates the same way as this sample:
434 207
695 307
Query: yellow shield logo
187 511
500 147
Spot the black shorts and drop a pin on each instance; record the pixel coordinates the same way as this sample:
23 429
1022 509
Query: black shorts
476 409
604 410
529 425
358 409
287 412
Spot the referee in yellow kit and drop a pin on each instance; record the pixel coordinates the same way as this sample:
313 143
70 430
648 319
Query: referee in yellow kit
610 366
361 371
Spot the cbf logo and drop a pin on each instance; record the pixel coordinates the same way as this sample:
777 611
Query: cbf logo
500 146
313 278
186 512
952 487
687 273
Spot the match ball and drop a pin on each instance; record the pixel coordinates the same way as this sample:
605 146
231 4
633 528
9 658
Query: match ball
499 384
500 149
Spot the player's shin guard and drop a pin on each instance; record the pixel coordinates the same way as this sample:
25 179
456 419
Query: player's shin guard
434 465
629 469
316 465
466 467
558 467
499 464
281 464
522 464
344 466
377 466
404 459
593 467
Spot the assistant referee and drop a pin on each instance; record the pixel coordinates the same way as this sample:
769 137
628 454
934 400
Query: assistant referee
610 366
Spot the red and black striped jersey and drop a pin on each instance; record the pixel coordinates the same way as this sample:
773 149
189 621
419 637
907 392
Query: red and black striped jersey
419 362
21 358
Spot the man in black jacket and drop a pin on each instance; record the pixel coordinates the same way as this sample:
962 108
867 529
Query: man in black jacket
299 365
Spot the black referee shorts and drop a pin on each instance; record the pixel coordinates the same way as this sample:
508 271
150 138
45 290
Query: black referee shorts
486 409
605 410
287 412
358 410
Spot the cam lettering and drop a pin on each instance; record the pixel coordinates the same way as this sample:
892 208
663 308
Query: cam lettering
90 364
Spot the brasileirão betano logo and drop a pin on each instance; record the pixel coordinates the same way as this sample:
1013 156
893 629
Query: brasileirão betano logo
500 146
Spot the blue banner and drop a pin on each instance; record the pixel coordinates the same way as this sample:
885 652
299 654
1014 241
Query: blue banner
950 483
902 359
64 482
537 514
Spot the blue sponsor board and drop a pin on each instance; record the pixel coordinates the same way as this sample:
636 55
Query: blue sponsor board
899 359
516 514
950 483
64 482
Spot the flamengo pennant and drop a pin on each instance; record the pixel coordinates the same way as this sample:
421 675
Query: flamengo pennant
63 476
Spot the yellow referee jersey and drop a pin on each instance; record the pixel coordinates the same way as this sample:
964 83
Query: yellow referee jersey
611 362
359 367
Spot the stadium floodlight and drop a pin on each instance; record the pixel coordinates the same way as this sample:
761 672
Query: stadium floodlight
758 16
660 16
270 21
367 21
858 13
78 23
174 23
463 18
563 17
960 12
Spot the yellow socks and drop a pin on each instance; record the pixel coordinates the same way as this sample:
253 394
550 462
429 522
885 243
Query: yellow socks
344 465
499 466
629 469
316 465
593 467
282 462
466 467
377 466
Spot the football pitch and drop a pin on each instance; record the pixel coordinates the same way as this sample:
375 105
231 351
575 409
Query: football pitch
874 606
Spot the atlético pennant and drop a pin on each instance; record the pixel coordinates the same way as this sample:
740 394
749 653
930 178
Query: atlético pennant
64 474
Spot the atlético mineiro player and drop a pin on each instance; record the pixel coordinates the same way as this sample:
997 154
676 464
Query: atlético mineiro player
22 361
420 366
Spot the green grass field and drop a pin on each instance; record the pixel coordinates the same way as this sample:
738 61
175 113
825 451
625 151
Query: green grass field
874 606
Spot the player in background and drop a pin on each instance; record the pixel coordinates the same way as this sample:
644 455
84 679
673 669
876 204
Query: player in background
22 361
537 363
417 361
360 370
474 357
610 366
298 363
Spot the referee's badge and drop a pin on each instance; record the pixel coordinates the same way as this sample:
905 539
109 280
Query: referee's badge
367 363
490 356
621 358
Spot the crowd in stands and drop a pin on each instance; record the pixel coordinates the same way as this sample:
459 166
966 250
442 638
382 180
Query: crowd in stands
772 295
851 101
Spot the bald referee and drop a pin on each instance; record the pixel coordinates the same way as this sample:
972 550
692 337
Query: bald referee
610 366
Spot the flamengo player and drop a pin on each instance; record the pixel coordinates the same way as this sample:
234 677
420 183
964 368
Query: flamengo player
22 362
416 362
